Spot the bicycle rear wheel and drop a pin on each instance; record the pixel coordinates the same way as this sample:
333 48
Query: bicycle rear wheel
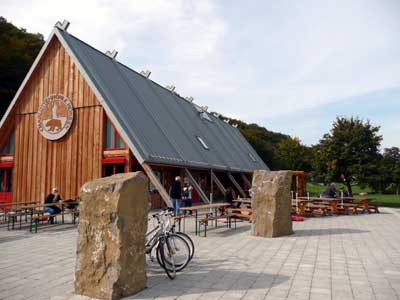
173 253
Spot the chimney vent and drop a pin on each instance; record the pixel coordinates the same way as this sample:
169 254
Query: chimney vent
189 99
170 88
145 73
112 54
62 26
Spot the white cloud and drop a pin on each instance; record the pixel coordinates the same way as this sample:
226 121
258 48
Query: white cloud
252 60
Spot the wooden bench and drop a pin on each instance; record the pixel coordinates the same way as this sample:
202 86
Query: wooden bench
369 207
311 209
179 219
374 207
36 219
238 213
210 217
12 218
349 208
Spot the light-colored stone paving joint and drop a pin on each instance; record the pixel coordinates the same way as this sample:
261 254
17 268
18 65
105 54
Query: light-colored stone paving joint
345 257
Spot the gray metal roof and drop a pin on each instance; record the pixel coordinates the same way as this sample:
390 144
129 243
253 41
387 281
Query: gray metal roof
161 126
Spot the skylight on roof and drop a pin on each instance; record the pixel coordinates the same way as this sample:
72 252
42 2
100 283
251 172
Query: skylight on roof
252 157
203 143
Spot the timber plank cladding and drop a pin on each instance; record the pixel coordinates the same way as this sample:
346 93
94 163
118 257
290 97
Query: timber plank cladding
39 163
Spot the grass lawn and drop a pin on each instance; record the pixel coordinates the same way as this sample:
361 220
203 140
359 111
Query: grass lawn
385 200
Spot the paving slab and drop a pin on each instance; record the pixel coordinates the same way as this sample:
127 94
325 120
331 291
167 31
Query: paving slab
339 257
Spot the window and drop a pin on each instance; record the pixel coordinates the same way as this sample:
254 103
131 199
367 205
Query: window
203 143
113 165
111 169
5 180
113 140
9 146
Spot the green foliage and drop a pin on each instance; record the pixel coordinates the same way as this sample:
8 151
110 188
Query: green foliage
316 189
265 142
292 155
386 178
350 151
386 200
18 50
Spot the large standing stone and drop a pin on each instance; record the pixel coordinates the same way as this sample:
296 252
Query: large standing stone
271 203
113 221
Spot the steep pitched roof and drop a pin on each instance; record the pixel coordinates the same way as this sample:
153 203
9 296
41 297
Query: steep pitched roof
158 125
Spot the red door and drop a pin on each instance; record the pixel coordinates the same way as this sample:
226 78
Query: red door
5 183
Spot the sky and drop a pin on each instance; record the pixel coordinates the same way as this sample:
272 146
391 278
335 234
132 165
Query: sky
291 66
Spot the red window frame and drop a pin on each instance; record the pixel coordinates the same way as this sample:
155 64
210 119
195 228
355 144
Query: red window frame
115 160
6 165
115 136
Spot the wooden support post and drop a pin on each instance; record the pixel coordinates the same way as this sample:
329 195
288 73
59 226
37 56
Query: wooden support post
237 185
217 182
160 188
211 188
245 179
193 181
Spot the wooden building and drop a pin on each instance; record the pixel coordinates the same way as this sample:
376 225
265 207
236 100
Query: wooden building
80 114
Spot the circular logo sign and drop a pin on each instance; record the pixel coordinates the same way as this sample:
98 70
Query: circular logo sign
55 116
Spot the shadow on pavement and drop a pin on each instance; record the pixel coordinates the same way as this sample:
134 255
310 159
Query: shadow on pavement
13 238
327 231
203 277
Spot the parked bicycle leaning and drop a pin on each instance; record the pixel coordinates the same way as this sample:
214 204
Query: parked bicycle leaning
174 250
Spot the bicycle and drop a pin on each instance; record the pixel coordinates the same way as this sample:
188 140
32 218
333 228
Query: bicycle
174 250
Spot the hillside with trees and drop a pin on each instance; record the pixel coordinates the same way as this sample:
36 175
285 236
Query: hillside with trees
18 49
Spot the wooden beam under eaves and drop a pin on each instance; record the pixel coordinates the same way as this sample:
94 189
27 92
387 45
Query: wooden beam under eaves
246 180
217 182
237 185
198 188
160 188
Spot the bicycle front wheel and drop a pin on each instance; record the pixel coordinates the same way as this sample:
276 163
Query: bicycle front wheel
166 258
173 253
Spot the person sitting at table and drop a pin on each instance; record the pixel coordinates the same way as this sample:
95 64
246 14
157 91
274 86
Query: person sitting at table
331 191
343 192
53 197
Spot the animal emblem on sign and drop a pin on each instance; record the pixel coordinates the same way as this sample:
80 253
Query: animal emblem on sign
55 116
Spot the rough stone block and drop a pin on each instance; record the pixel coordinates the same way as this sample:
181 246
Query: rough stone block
271 203
110 250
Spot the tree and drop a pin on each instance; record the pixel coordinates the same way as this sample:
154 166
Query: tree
391 162
18 50
262 140
350 151
292 155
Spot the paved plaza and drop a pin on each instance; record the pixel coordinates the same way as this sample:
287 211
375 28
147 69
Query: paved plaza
341 257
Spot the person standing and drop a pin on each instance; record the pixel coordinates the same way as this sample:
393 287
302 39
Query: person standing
53 197
176 194
187 194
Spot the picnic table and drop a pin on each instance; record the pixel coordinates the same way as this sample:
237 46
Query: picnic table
10 205
210 206
335 205
31 208
244 200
